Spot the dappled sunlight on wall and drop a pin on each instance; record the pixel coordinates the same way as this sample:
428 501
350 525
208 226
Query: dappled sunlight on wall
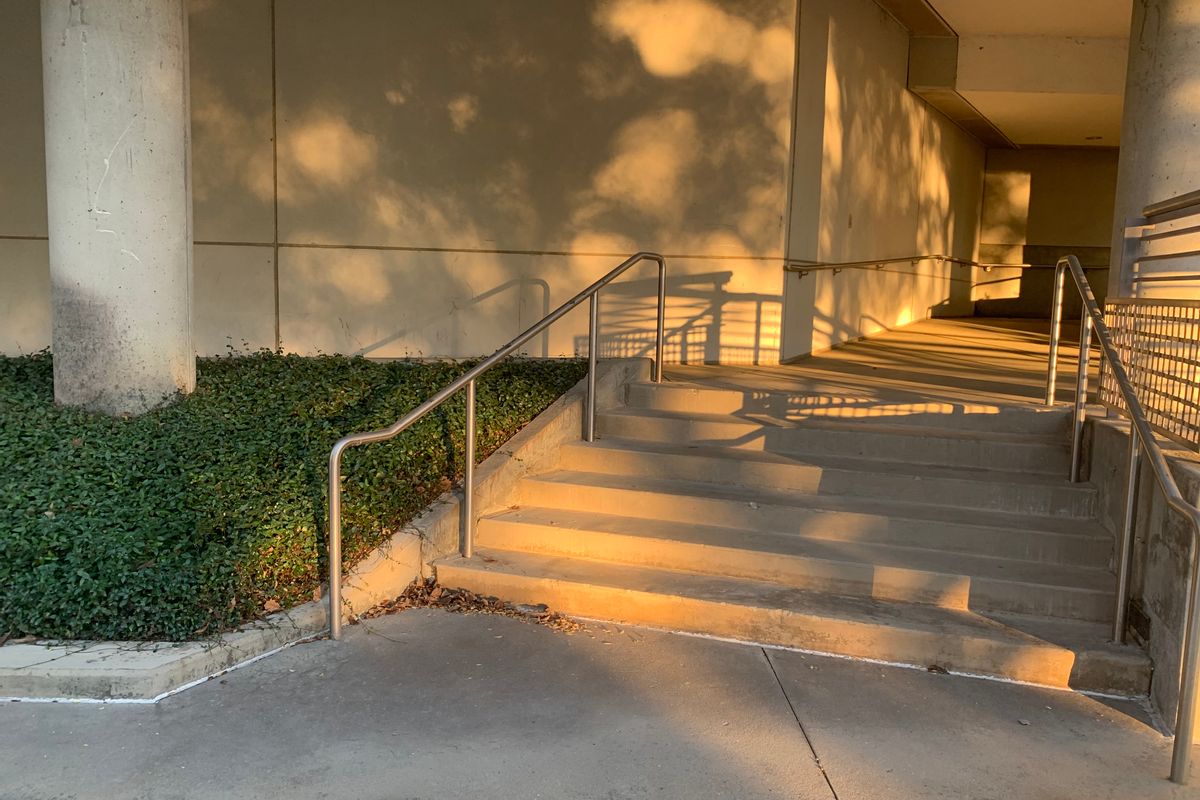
430 178
387 303
232 171
463 126
1040 204
884 176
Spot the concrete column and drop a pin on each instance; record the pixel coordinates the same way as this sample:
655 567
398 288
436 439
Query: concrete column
1160 132
115 78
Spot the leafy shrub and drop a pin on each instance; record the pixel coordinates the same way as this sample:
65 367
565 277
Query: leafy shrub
188 519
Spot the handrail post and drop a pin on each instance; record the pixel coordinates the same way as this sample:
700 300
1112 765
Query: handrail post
1081 381
1125 547
589 423
468 501
1185 717
1060 275
335 541
662 321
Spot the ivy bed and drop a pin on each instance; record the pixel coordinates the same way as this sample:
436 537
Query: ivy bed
210 511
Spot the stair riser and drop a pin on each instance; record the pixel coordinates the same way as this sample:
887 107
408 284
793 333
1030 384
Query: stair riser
800 572
1062 500
1029 545
1048 601
916 448
1046 665
689 399
861 580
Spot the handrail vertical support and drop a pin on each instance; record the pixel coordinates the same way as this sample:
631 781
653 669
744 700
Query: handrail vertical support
467 381
1185 717
1081 380
662 321
468 501
1125 547
589 423
335 542
1060 275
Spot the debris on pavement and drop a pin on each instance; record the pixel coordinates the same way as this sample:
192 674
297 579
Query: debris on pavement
428 594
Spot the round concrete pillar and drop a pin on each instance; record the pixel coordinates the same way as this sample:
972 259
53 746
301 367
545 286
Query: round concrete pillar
115 79
1160 131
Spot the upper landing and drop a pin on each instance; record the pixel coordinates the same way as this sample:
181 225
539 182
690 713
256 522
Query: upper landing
947 366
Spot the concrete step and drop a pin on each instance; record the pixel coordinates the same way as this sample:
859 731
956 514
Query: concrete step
846 404
826 517
1100 665
1026 453
768 613
830 475
952 580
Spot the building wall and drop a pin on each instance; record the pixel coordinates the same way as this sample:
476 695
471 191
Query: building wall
410 178
1038 205
878 173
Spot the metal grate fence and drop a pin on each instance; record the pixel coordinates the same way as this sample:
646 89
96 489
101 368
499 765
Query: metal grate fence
1159 342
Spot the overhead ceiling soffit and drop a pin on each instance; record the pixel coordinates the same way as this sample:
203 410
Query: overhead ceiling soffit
933 68
920 18
933 76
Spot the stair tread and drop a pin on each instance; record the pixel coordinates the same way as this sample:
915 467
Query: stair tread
829 550
740 591
751 418
1073 634
822 386
752 593
929 512
841 463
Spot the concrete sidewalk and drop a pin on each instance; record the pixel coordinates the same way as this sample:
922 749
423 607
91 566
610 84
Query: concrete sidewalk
427 704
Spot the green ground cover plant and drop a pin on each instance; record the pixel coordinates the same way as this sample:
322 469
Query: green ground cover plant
198 516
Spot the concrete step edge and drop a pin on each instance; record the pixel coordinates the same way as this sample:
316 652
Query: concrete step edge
828 463
880 630
858 577
997 521
1032 440
760 541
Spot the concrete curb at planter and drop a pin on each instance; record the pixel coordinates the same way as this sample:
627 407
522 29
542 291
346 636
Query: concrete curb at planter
145 672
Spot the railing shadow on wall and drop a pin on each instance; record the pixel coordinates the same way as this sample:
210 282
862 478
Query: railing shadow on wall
438 315
706 323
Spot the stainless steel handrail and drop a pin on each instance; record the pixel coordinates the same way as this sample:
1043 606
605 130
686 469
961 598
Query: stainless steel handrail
1142 444
805 267
1186 200
467 381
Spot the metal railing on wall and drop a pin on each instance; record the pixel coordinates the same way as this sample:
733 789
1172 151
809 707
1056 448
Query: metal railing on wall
803 268
1159 343
1163 245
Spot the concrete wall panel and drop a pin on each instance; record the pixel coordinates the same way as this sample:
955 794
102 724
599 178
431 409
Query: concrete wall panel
1040 204
22 136
24 296
234 299
878 174
232 183
574 133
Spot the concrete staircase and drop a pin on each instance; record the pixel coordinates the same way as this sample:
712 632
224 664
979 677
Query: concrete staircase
941 537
